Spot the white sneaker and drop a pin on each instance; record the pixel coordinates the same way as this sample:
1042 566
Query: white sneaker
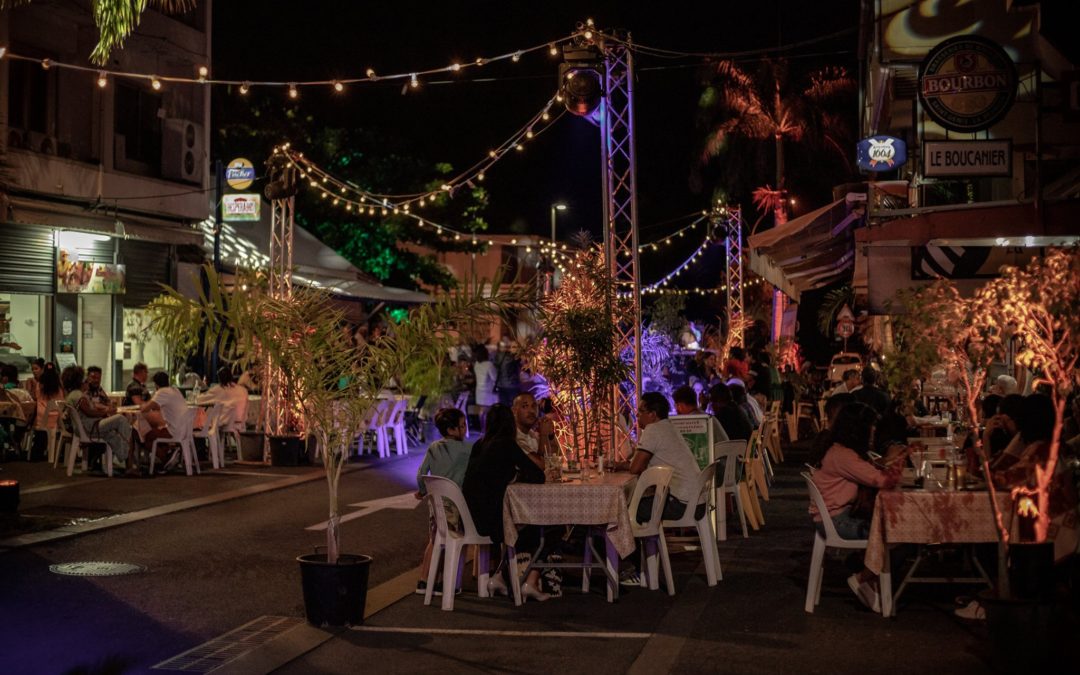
973 611
866 593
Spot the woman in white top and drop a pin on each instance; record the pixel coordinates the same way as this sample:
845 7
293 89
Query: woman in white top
486 376
232 396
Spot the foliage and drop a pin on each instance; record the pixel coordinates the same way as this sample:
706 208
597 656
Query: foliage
666 315
656 350
831 305
374 160
334 381
1038 305
117 19
578 351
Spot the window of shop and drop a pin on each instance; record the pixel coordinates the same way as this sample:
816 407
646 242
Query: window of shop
24 333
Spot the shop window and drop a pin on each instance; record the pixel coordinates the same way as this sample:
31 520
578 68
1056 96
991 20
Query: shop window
137 143
140 345
24 334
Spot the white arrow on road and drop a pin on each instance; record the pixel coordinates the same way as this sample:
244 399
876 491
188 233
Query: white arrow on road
406 502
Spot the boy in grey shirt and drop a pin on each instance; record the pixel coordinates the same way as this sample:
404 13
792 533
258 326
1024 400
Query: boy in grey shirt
447 457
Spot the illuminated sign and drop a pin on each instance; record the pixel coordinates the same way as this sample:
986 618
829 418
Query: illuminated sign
967 83
881 153
82 276
242 206
240 174
967 158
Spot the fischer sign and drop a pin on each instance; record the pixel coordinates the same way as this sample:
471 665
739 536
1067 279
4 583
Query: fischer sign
240 174
968 83
241 206
881 153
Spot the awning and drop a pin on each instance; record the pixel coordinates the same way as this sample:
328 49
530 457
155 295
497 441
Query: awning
974 224
807 252
65 214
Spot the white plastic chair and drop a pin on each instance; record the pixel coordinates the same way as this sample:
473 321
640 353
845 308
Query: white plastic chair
382 426
184 440
731 452
396 424
830 540
216 417
449 544
654 546
79 438
369 425
704 525
55 434
462 404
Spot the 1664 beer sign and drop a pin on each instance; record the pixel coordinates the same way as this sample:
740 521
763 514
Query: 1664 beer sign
240 206
881 153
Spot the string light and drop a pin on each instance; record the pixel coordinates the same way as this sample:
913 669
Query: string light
204 72
293 92
102 80
155 83
338 86
45 63
245 87
414 82
370 72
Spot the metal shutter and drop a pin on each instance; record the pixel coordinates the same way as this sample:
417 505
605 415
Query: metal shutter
148 266
29 260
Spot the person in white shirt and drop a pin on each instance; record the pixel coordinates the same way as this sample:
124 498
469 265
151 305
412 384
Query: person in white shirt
230 394
852 381
170 403
686 403
536 438
661 444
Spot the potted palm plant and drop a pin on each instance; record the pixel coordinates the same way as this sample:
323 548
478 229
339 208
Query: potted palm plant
330 383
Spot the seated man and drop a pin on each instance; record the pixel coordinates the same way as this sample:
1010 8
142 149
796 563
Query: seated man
100 420
137 393
852 381
661 444
24 407
686 403
93 387
170 405
535 436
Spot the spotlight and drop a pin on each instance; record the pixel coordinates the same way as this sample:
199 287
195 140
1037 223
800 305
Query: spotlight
581 85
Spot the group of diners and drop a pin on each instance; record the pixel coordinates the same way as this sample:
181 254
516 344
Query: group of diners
130 433
863 451
515 445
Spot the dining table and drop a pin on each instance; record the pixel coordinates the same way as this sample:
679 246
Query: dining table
599 502
927 517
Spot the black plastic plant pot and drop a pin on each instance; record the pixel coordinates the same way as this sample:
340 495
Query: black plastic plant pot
334 595
286 450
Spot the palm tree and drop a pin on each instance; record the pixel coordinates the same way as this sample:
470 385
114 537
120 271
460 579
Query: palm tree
116 19
768 106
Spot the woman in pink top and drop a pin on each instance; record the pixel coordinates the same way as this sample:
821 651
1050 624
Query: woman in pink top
838 475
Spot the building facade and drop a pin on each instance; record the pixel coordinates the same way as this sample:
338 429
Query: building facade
105 179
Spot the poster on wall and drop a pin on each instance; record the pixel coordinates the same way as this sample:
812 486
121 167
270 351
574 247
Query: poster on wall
80 276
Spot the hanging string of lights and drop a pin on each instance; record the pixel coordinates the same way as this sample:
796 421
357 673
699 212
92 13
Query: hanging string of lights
202 76
655 245
350 196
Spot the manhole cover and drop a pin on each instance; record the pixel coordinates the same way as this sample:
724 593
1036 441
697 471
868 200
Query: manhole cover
96 568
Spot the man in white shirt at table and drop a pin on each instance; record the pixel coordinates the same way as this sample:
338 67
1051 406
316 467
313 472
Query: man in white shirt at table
661 444
535 436
170 403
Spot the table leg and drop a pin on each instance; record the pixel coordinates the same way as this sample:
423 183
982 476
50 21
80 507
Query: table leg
515 582
612 569
885 586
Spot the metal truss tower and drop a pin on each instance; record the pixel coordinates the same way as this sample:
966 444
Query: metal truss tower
620 205
282 191
730 220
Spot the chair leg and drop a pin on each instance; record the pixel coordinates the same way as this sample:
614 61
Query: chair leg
665 561
451 561
73 451
721 514
515 580
652 562
483 555
708 549
108 461
740 503
586 560
757 469
433 568
813 582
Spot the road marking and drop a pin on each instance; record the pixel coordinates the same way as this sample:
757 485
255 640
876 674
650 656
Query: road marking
60 486
503 633
661 652
406 502
227 472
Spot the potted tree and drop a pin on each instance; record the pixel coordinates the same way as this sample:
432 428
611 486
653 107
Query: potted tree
330 382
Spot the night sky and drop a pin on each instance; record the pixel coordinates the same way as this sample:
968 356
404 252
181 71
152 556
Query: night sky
459 122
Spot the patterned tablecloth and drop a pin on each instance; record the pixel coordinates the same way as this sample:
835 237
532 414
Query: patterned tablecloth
924 517
601 501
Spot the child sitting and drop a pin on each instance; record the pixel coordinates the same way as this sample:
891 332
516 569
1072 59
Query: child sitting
447 457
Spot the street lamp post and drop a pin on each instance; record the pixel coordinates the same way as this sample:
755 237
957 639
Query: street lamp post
554 208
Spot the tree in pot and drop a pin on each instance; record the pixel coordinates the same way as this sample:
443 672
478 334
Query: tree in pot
332 382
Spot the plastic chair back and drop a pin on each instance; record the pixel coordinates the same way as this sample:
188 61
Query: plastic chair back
659 479
832 538
439 488
729 452
704 484
187 426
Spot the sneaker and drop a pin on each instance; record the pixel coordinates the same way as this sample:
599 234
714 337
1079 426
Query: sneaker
973 611
866 593
629 578
421 587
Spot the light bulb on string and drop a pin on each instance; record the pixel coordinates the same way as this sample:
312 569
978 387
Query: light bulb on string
102 80
516 57
245 88
46 64
203 72
338 86
370 72
455 67
414 82
293 92
552 49
155 83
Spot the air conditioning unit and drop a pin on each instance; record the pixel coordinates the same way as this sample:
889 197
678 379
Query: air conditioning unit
182 156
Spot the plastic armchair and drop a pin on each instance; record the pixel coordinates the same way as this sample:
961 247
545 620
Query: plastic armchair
449 544
396 424
704 525
654 551
80 438
55 434
369 426
731 452
186 442
822 542
216 418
